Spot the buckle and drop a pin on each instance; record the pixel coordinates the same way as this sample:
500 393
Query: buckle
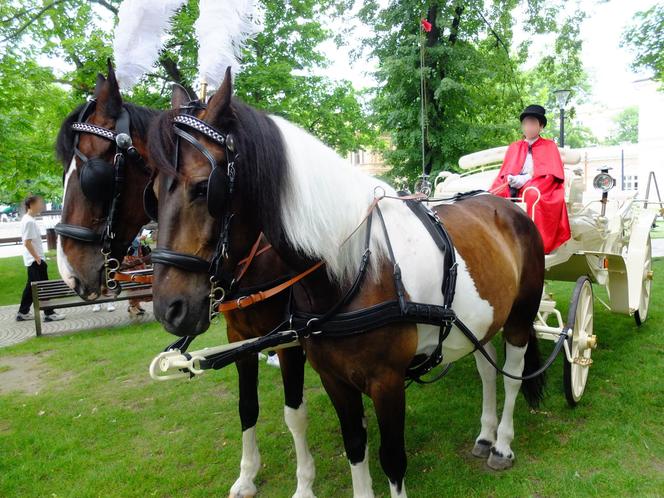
240 300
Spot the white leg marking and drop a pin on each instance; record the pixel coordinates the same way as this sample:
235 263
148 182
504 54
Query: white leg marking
514 362
488 374
63 264
249 465
396 494
362 486
297 422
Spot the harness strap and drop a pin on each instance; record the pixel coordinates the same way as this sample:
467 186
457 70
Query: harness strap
247 261
199 146
76 232
306 331
247 301
187 262
258 253
121 276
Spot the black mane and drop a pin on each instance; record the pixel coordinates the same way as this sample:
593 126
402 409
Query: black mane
141 117
262 165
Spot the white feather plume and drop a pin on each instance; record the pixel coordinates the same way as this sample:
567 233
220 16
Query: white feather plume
223 29
139 36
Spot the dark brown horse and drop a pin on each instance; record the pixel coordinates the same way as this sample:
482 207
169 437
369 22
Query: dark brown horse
81 263
86 211
238 172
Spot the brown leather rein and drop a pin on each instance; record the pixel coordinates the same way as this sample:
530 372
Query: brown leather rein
242 302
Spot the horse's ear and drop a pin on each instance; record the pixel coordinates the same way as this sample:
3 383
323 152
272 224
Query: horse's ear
180 96
99 83
219 105
107 93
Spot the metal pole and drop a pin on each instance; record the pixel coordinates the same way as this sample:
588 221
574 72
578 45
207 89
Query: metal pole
562 127
622 169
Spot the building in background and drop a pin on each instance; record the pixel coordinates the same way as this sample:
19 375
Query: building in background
370 162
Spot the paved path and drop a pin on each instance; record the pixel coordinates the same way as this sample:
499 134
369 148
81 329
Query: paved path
657 247
76 319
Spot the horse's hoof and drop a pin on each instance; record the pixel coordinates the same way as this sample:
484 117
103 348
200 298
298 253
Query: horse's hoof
304 494
243 491
482 448
497 461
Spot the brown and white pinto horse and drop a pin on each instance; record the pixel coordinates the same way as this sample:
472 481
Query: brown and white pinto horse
81 262
308 202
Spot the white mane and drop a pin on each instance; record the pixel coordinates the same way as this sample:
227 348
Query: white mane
324 200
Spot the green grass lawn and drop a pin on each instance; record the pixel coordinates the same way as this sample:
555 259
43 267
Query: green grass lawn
14 275
98 426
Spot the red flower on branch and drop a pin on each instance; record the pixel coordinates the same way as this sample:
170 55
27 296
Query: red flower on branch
426 25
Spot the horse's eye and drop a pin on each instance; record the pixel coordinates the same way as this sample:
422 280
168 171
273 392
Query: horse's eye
200 190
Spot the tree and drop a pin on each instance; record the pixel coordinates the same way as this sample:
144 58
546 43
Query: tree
32 106
279 76
474 87
645 38
626 129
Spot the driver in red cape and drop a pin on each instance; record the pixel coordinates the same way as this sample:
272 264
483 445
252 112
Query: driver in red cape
535 162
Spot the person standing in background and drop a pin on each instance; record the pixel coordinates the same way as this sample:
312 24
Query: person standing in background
33 258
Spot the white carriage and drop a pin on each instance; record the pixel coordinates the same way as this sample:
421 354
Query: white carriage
610 246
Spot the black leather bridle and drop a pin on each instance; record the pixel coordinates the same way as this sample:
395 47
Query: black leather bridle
96 186
221 284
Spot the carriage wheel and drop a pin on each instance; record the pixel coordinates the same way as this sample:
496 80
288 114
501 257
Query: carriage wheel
581 342
641 314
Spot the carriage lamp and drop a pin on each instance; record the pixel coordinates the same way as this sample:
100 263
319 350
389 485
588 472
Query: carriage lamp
604 182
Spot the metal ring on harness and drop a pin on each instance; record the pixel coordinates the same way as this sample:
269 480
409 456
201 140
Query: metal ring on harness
377 190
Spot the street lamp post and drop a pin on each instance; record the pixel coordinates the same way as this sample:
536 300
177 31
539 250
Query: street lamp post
561 97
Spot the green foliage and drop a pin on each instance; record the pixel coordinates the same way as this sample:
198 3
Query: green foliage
475 88
626 127
32 106
279 77
645 38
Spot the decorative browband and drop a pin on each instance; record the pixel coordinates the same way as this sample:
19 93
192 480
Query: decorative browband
95 130
201 126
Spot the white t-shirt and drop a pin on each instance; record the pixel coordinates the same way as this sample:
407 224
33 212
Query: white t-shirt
30 230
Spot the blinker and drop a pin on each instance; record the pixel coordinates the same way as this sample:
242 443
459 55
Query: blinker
216 192
97 179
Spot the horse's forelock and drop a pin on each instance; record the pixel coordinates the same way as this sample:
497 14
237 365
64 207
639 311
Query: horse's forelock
64 144
161 143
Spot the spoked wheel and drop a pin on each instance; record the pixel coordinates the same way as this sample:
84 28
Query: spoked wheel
641 314
581 342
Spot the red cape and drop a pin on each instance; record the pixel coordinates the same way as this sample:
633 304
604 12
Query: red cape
549 177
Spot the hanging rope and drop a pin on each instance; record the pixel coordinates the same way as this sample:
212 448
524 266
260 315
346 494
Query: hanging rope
424 125
423 185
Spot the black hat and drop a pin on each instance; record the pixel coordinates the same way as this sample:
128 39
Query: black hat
536 111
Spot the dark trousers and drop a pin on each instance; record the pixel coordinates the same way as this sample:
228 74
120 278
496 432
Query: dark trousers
35 273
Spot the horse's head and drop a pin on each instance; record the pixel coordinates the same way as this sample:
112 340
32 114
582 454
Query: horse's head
212 179
102 145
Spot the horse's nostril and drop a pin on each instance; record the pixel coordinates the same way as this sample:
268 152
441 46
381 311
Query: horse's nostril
176 312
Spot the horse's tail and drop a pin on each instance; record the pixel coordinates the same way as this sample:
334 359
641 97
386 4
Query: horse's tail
533 389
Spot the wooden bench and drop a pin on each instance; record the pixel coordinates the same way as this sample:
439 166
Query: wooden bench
55 294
